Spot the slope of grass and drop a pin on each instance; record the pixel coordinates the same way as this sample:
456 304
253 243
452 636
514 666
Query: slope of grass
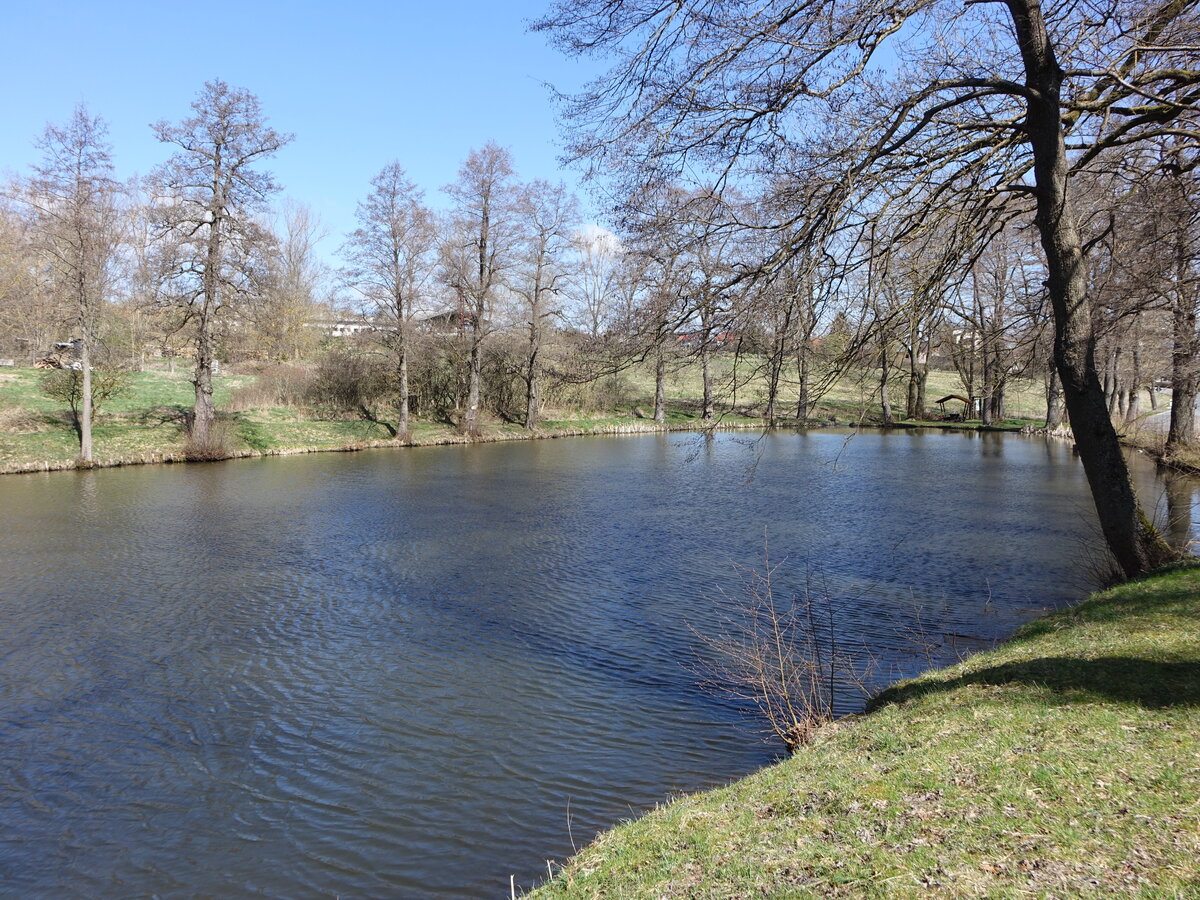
740 382
145 422
1064 764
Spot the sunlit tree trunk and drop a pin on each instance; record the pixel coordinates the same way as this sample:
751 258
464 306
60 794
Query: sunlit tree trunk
1054 404
884 375
706 378
1185 345
85 403
1133 541
660 383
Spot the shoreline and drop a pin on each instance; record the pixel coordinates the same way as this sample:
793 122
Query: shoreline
634 427
1060 763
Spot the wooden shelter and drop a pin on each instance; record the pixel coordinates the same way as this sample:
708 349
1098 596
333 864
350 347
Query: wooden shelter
969 406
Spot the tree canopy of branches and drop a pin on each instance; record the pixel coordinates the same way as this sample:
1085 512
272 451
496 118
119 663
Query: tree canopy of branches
547 214
390 262
208 193
989 112
479 251
74 199
296 288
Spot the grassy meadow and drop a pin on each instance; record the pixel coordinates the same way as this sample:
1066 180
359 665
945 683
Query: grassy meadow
145 422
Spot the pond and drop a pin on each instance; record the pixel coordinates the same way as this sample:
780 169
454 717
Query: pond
416 673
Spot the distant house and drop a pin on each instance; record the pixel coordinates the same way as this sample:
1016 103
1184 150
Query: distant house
452 323
719 339
346 327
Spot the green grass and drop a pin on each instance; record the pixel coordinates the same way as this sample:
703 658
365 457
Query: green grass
1064 764
740 383
144 424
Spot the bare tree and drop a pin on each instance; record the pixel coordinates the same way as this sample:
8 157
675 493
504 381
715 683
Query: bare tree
656 319
296 290
156 323
658 241
390 261
478 252
993 109
208 195
74 198
791 304
547 218
1183 297
920 283
596 283
1139 221
32 315
711 257
1005 284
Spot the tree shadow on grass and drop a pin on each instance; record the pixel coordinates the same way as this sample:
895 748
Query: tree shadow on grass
1177 601
1124 679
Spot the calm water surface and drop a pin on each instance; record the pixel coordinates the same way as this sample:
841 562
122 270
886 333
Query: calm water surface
412 674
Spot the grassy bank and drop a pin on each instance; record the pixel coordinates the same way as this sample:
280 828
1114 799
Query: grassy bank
1152 442
1064 764
145 423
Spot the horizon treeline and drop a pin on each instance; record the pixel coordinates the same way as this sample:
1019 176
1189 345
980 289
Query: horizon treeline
507 303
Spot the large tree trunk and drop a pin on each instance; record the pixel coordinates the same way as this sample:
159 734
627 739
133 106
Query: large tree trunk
1185 344
779 352
884 374
470 424
1134 542
774 374
1114 385
533 394
479 307
203 411
660 383
918 378
533 403
987 402
1133 407
1133 402
803 404
85 402
774 369
402 399
706 377
986 357
1054 400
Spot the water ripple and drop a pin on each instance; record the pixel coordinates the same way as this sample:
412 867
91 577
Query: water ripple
412 674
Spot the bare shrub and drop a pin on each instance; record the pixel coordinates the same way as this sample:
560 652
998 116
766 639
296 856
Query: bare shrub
274 385
212 448
66 386
600 394
348 381
437 377
502 383
783 655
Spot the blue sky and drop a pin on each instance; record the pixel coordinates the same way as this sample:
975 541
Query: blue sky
358 82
